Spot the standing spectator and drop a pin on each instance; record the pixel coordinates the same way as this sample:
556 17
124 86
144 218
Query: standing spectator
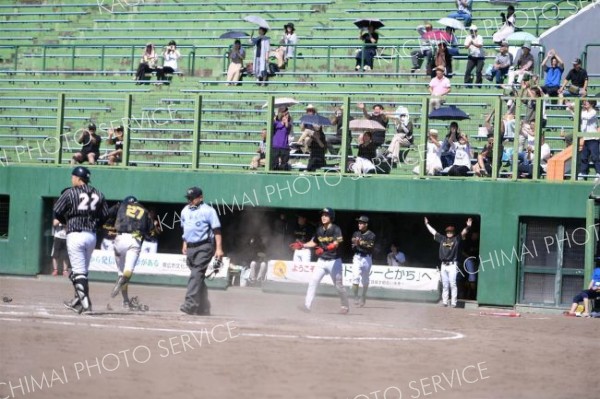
150 244
474 44
433 163
91 146
59 248
288 46
395 257
501 66
438 88
282 126
576 82
369 51
236 63
317 150
590 152
81 208
303 233
463 12
260 67
327 241
259 158
201 242
147 63
553 73
367 151
115 137
485 159
425 50
338 121
378 115
508 27
171 58
404 134
363 241
462 157
523 65
448 253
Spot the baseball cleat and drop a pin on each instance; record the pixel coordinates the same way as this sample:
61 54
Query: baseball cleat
118 286
73 305
344 310
126 305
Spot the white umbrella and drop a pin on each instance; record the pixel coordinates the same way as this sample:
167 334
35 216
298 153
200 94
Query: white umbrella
451 22
520 37
258 21
282 101
365 124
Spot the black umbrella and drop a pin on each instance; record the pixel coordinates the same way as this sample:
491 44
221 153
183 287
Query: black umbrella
366 22
450 113
315 120
234 35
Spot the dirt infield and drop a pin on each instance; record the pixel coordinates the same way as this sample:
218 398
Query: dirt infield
260 346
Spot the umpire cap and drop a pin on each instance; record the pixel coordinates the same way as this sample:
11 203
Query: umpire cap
328 211
130 199
83 173
193 192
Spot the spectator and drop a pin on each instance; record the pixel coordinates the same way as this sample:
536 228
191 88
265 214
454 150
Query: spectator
259 158
442 58
590 152
438 88
115 137
147 63
171 58
236 63
508 27
317 149
395 257
370 37
260 64
501 65
447 150
59 248
404 134
433 164
485 159
476 59
593 292
523 65
526 166
338 121
287 49
378 115
91 146
462 157
553 73
308 132
463 12
576 82
425 49
282 126
367 151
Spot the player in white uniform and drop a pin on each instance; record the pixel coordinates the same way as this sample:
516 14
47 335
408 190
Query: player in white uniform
363 242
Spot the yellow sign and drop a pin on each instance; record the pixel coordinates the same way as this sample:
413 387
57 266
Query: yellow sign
280 269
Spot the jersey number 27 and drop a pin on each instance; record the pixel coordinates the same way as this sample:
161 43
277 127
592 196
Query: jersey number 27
88 201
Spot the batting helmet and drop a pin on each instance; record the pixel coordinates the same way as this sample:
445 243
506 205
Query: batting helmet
328 211
130 200
83 173
193 192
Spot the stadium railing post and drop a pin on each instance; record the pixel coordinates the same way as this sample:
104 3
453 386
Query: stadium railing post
345 129
127 132
269 121
576 136
196 131
497 136
60 124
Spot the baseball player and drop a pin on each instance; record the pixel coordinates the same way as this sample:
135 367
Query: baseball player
81 208
448 254
109 232
133 225
150 244
201 242
363 241
303 233
59 248
327 240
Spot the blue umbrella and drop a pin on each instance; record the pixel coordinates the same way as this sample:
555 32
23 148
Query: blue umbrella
450 113
234 35
315 120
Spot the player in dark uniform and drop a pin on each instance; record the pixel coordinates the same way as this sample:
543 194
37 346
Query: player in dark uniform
109 232
133 224
81 208
303 233
363 241
448 256
91 146
327 241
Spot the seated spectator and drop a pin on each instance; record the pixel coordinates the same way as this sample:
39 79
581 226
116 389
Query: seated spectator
147 63
338 121
433 164
441 58
590 152
447 149
463 12
171 58
280 145
425 48
287 47
485 159
378 115
438 88
462 157
370 37
501 66
530 95
553 73
508 27
476 59
317 149
90 151
526 166
593 292
404 134
523 65
259 158
395 257
308 130
260 65
576 82
236 63
367 151
115 137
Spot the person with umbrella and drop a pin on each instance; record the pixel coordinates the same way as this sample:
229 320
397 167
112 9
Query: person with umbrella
370 37
236 63
438 88
261 56
378 115
367 151
309 131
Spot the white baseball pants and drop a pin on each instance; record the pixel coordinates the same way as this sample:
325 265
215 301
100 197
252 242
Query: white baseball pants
361 266
80 246
302 255
449 271
127 251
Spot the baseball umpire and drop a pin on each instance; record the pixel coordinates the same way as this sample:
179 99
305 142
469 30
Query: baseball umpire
201 242
326 241
132 224
82 208
448 256
363 241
